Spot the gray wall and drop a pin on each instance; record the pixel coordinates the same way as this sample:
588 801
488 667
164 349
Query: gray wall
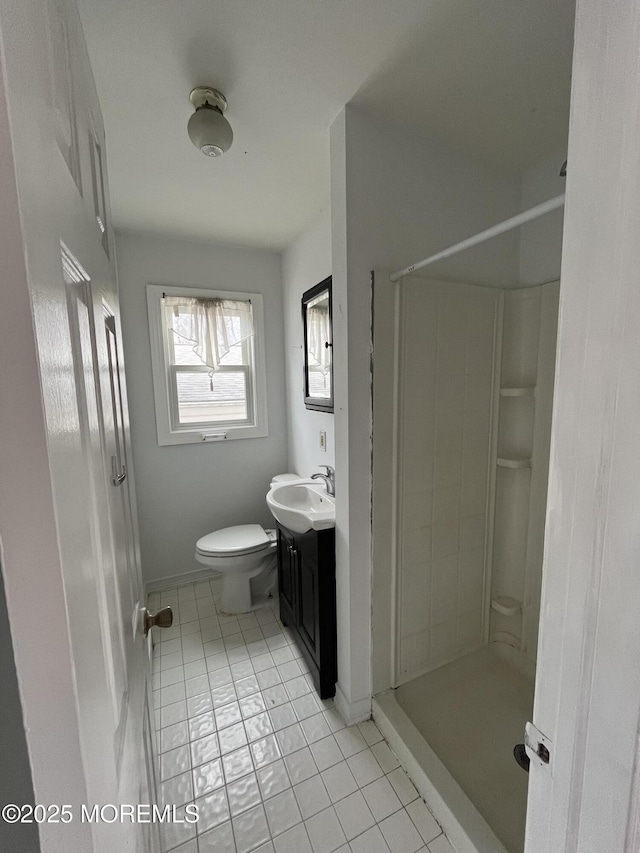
187 490
15 779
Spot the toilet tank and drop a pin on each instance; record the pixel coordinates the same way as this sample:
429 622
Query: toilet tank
283 478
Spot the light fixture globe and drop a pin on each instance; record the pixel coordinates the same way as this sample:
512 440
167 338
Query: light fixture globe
208 129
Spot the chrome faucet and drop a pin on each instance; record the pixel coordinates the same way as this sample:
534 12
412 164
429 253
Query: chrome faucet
329 479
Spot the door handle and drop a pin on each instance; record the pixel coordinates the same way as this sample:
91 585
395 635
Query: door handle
162 619
117 478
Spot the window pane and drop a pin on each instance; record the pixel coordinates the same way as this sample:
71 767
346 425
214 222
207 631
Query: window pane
197 403
319 381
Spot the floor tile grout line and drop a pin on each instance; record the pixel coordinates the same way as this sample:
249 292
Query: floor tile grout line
322 710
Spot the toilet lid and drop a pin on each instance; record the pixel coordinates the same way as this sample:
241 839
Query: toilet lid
241 539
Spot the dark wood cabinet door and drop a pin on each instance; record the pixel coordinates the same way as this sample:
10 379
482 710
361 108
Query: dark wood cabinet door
306 577
287 581
308 607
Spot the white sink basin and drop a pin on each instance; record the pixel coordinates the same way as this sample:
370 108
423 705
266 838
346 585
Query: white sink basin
302 506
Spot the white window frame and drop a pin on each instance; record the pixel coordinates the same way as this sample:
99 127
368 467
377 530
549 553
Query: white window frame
166 403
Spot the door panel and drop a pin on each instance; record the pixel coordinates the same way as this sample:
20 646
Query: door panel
101 422
110 610
116 452
71 609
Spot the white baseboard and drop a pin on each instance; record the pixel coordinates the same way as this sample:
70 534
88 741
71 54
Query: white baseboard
352 712
178 580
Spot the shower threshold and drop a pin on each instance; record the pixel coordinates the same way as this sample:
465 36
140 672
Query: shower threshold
454 730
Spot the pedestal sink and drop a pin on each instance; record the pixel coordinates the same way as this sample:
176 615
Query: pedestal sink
302 506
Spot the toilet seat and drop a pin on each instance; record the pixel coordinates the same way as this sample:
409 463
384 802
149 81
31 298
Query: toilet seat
234 541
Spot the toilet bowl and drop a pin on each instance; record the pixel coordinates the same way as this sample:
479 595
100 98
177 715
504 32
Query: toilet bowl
240 554
245 556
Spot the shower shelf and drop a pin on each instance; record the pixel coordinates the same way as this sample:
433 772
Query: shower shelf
506 605
518 392
513 463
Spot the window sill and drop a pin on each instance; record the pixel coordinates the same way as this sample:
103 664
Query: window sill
211 435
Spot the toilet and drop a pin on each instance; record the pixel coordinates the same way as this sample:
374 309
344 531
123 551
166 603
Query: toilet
245 556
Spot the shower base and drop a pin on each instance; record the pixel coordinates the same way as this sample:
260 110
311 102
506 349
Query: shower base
454 729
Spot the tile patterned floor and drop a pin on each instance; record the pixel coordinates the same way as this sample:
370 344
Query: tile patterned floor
272 768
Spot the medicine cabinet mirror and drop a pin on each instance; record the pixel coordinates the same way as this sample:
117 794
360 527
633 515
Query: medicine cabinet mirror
318 347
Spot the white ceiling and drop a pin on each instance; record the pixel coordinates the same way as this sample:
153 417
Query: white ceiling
489 78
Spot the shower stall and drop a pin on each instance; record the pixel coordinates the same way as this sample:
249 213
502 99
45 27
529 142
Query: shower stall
462 400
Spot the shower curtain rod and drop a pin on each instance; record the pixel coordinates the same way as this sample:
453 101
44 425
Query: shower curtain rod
500 228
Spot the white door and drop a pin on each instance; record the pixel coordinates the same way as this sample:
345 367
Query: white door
81 656
587 704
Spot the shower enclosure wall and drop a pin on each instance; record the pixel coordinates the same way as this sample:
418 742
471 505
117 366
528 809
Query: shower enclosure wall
460 475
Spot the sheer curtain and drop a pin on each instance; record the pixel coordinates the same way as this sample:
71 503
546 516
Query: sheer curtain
318 336
213 326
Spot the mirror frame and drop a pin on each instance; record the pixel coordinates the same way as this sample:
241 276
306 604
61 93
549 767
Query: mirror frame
317 404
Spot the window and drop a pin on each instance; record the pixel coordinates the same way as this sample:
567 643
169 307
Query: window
208 364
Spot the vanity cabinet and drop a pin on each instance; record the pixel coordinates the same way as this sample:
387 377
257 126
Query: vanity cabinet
307 589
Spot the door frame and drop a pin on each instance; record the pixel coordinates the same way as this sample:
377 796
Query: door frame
587 700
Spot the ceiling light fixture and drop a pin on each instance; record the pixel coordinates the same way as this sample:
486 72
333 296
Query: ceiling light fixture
208 129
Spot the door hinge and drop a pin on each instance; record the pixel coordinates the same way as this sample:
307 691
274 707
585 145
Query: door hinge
538 745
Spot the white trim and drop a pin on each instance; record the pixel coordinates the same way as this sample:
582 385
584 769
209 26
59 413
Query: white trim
396 487
352 712
170 581
490 505
167 435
